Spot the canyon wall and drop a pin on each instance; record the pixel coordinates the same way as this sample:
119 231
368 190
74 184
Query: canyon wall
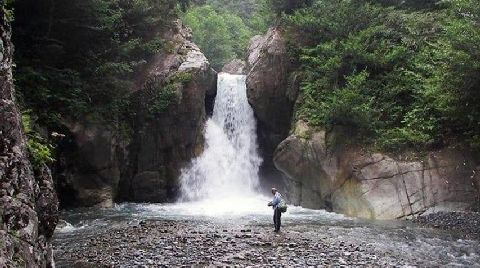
141 160
271 91
323 170
28 202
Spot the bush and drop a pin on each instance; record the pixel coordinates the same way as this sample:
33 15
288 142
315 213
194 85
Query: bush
401 78
163 94
41 152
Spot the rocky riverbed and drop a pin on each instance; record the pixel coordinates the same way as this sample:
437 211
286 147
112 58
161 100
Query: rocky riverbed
316 239
465 223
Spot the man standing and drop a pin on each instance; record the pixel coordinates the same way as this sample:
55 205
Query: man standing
277 213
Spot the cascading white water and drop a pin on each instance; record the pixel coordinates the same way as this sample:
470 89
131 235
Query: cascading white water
227 170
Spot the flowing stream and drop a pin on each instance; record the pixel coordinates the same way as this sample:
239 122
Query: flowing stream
219 193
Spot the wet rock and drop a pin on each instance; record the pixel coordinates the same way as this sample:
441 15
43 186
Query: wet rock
236 66
28 202
311 246
270 89
372 185
467 223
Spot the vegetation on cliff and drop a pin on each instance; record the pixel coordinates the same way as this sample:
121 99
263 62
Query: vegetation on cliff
223 28
399 74
81 57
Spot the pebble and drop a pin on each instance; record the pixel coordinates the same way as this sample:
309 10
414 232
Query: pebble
467 223
187 244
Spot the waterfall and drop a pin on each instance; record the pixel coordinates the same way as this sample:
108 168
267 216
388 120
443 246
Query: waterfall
228 167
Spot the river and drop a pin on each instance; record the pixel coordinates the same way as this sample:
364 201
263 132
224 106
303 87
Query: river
221 220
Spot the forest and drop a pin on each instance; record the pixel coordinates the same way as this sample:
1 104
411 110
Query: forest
400 74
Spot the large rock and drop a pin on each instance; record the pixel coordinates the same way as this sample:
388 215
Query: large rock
272 92
268 88
90 164
235 66
28 204
372 185
165 141
140 158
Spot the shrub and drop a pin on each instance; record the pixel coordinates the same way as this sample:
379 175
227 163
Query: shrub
41 152
402 77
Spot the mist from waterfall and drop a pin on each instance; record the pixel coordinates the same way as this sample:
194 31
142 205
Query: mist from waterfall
226 173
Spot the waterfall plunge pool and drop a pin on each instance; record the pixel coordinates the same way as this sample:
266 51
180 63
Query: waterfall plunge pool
166 235
222 221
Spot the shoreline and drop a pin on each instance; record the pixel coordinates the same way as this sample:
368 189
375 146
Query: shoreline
200 243
466 223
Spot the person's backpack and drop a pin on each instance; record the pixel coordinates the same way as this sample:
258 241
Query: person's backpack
282 206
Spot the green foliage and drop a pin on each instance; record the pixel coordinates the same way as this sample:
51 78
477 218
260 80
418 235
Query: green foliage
78 58
400 78
164 94
7 8
41 151
223 28
262 18
221 35
243 8
288 6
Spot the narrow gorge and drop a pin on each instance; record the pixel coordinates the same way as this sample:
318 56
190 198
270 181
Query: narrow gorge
150 133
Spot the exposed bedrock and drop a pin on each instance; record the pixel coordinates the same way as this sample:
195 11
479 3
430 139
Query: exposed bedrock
374 185
90 164
163 143
141 161
28 202
344 179
271 91
235 66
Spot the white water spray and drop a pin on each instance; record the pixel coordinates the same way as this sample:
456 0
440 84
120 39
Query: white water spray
227 171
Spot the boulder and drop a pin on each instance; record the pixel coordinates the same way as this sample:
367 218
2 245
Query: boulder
268 88
374 185
90 164
28 203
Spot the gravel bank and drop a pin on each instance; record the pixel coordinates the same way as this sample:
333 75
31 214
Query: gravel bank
187 243
466 223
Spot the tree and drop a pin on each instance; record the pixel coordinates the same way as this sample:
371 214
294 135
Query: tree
403 77
221 35
288 6
62 73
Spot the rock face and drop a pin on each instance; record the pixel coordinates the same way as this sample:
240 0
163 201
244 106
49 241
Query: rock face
28 204
271 91
268 88
236 66
103 165
345 180
90 165
372 185
164 142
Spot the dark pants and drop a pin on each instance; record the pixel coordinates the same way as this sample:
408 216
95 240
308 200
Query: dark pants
277 219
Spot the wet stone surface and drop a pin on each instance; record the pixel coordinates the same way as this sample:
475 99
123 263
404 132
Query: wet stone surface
147 243
467 223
